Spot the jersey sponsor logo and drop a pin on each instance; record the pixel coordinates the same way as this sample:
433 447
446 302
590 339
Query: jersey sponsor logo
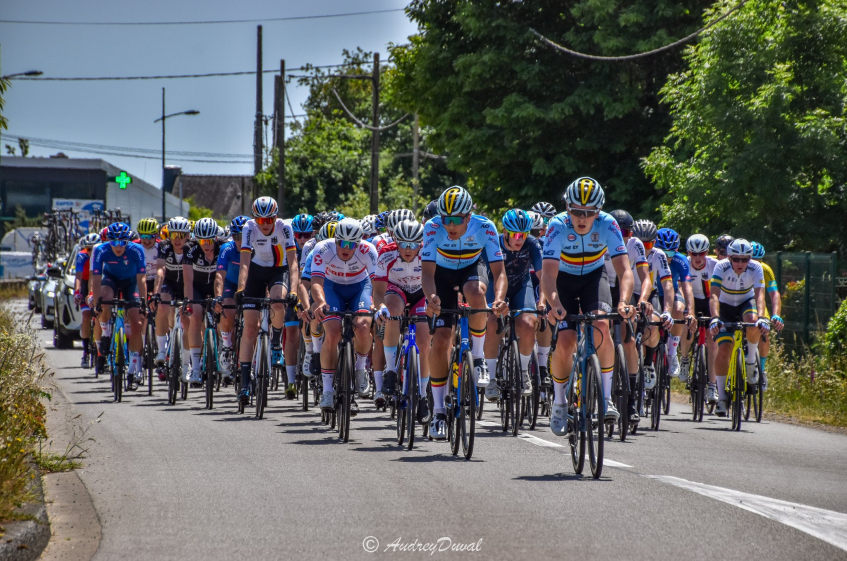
490 233
430 233
469 239
274 241
595 237
571 238
316 260
620 248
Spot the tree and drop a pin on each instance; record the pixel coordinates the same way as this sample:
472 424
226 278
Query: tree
522 120
759 146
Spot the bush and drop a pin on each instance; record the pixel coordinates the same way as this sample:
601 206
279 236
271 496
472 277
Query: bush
833 340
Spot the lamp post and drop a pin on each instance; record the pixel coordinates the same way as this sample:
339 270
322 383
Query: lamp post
163 118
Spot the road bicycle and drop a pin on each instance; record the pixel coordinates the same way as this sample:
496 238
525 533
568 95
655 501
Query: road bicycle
261 355
345 375
151 348
176 385
659 398
699 377
118 349
405 400
736 379
209 360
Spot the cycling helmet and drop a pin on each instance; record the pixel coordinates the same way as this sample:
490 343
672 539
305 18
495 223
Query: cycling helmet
739 246
327 231
623 218
546 210
133 235
397 216
667 239
179 224
758 250
698 243
453 201
517 220
644 230
206 228
264 207
223 233
379 222
147 226
104 234
537 220
119 231
349 230
90 240
334 216
723 242
237 224
163 232
191 224
430 211
408 231
368 225
585 192
303 223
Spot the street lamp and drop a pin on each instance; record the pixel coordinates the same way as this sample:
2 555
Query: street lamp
28 73
163 118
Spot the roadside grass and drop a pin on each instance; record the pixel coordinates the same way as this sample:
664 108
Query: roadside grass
13 290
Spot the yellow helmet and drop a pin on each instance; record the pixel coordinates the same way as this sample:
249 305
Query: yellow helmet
148 226
163 233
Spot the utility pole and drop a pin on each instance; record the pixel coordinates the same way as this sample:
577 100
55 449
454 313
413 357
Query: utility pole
416 162
257 132
375 140
164 216
280 136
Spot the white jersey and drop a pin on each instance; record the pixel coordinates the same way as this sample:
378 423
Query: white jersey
658 263
308 247
737 289
328 265
150 256
381 240
637 258
701 278
268 251
391 268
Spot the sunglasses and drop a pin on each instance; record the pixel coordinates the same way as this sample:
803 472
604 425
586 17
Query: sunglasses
118 243
546 219
301 235
740 259
452 220
516 235
147 236
583 212
696 254
408 245
344 244
177 235
206 241
648 245
626 233
265 220
669 252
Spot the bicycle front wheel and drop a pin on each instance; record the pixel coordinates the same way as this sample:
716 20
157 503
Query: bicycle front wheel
412 372
120 366
262 376
576 437
149 355
620 390
347 390
515 392
738 391
467 412
595 411
209 368
175 370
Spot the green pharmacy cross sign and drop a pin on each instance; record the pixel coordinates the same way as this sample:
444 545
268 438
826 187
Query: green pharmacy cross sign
123 179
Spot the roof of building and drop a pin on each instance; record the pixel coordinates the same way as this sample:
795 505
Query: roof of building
221 193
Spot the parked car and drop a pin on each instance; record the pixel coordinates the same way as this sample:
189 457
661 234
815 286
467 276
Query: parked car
48 294
34 289
68 315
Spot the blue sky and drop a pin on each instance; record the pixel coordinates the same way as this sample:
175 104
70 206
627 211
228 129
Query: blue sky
122 113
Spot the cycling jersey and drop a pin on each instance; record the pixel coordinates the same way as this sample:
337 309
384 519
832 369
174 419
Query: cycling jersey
328 265
204 268
580 254
658 263
127 266
701 278
679 273
381 240
308 247
637 258
770 278
82 258
173 261
229 260
519 264
267 251
465 251
306 274
737 289
150 256
391 268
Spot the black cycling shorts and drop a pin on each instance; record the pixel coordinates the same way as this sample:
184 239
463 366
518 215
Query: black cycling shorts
260 280
174 289
701 307
448 284
583 293
151 284
203 291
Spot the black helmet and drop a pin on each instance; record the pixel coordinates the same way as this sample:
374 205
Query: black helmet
430 210
623 218
723 242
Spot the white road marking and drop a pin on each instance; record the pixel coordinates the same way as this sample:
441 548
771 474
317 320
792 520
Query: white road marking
613 463
827 525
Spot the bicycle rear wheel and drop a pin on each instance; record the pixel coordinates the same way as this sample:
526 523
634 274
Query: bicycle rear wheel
515 393
665 380
398 414
620 392
467 411
595 405
412 371
209 368
759 398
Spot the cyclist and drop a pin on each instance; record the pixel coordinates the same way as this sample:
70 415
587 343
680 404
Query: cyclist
543 338
303 228
667 241
397 287
546 211
430 210
169 286
226 283
454 241
82 268
702 267
268 266
776 305
198 273
341 274
312 363
118 271
521 254
574 278
369 227
721 244
148 229
737 294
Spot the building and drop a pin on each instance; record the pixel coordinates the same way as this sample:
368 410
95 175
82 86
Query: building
35 183
225 195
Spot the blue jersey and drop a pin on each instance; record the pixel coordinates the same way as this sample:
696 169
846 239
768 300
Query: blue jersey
519 263
128 265
480 236
306 274
680 272
229 260
581 254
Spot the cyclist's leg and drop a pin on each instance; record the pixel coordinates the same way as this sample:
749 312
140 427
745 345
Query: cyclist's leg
596 296
251 319
195 338
424 341
395 301
134 331
492 342
676 335
362 301
474 286
561 363
332 335
725 342
525 325
163 313
750 315
292 343
277 286
107 292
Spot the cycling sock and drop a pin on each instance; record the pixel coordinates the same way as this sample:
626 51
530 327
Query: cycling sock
317 342
762 361
673 344
543 353
559 397
292 372
84 344
245 375
196 353
162 342
633 383
649 355
378 380
439 390
751 352
327 376
492 366
276 335
722 388
390 357
133 362
606 375
308 341
106 329
227 338
525 362
424 382
361 361
478 338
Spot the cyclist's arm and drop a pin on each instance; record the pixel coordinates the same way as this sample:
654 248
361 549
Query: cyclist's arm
715 300
219 283
141 282
160 275
501 281
379 288
293 270
549 274
776 302
188 281
318 295
95 287
624 272
246 257
303 292
428 279
646 283
760 301
78 282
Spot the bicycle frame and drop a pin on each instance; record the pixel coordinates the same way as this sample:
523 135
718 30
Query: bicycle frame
584 349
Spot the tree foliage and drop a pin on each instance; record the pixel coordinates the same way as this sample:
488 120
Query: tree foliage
759 145
522 120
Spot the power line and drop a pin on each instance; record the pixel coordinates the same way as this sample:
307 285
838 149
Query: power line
566 50
128 149
210 22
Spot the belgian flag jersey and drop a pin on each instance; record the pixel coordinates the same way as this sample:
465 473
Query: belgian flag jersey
580 254
480 236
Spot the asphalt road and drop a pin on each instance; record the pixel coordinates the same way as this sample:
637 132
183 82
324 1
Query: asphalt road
180 482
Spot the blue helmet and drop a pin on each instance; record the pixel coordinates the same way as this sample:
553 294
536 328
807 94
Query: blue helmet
517 220
758 250
667 239
303 223
119 231
380 219
237 224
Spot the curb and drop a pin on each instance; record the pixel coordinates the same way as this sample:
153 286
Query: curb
25 540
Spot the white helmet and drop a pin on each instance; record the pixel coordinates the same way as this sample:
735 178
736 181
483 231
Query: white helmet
740 246
178 224
453 201
349 230
698 243
206 228
585 192
408 231
90 240
537 220
397 216
546 210
369 225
